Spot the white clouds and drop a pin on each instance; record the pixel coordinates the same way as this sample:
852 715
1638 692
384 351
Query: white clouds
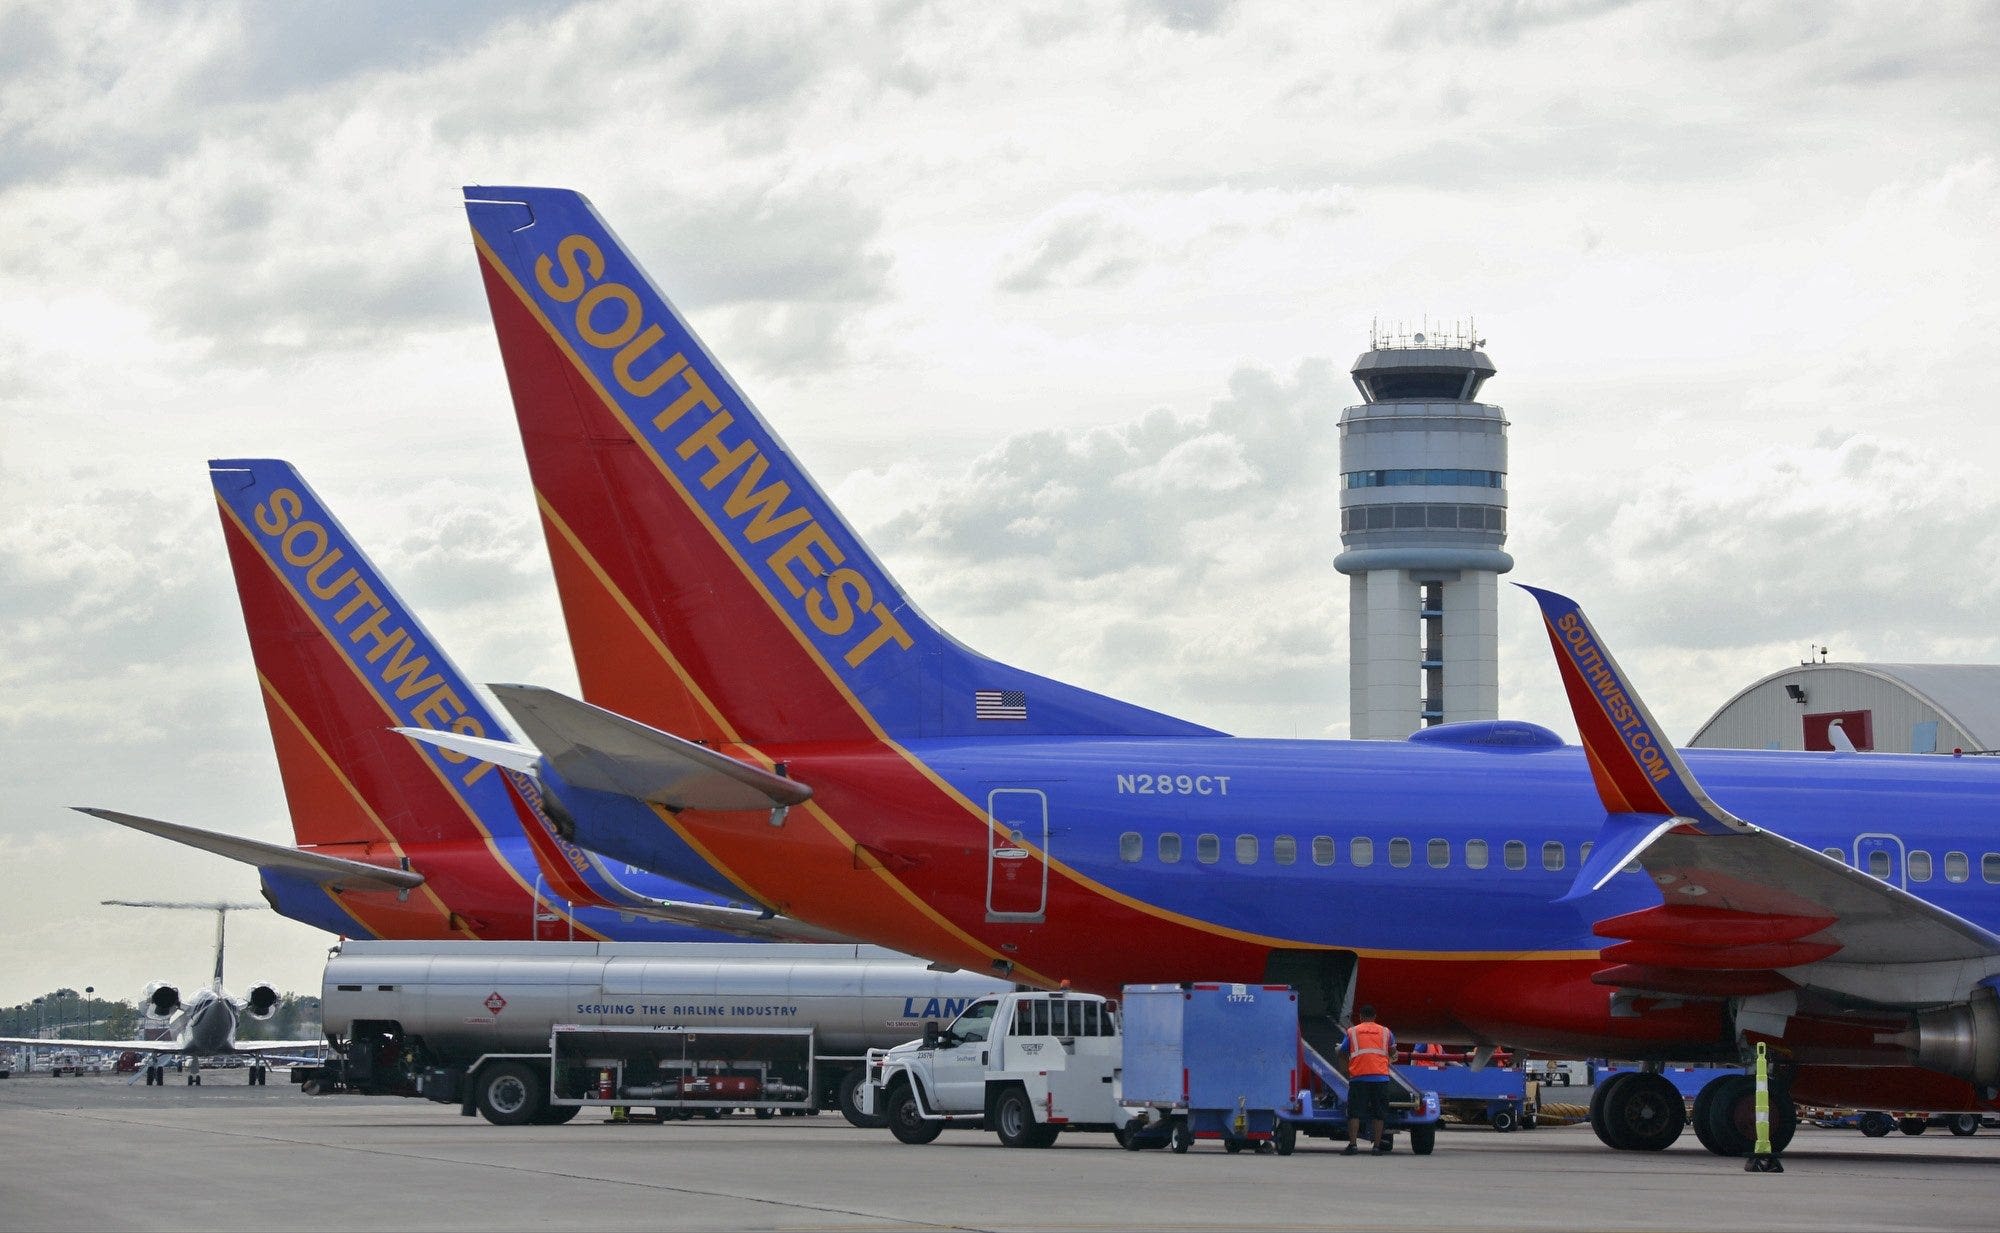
1057 303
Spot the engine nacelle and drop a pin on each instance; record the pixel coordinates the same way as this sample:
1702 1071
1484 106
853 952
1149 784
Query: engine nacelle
161 1000
261 1002
1962 1040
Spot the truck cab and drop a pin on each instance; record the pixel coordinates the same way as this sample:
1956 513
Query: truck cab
1024 1065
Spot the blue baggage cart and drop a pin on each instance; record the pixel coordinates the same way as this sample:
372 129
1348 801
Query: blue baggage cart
1211 1061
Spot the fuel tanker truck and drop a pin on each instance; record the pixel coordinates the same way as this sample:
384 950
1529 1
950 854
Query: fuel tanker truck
533 1032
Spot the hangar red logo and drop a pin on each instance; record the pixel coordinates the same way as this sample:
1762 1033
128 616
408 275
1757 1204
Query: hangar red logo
495 1003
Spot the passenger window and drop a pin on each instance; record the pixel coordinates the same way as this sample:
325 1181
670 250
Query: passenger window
1878 864
1361 852
1475 854
1515 854
1836 854
1131 846
1989 866
1323 849
1956 867
1440 853
1170 848
1552 856
1285 850
1920 866
1207 849
1583 853
1246 849
1399 853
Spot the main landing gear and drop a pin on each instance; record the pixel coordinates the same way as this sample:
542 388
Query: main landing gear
1646 1113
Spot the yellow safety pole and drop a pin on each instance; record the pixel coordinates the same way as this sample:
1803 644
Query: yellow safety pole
1762 1158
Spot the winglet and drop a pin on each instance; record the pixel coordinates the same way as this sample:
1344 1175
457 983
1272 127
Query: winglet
1624 837
1636 768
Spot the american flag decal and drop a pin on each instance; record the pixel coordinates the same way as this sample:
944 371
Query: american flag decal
999 704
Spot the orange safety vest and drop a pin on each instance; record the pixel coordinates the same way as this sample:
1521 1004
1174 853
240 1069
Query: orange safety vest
1367 1050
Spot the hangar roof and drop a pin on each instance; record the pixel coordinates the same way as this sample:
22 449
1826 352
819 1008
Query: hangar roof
1968 695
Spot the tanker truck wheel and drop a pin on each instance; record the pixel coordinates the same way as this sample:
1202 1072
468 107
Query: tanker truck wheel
510 1094
850 1103
556 1115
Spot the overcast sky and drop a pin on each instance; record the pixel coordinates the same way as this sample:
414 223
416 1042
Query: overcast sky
1056 300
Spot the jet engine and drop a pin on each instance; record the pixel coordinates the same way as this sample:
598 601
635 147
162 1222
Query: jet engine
1962 1040
161 1000
261 1002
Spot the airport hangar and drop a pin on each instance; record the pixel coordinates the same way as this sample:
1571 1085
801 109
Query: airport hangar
1882 708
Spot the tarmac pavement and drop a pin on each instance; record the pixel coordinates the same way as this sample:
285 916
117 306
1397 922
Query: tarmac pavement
98 1153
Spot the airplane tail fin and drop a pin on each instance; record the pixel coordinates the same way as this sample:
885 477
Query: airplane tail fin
711 589
342 660
1646 788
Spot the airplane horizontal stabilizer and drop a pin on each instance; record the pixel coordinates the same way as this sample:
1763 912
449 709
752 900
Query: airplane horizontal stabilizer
334 872
506 754
599 749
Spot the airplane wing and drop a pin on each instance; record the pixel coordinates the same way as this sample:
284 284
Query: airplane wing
1744 911
334 872
599 749
290 1048
137 1046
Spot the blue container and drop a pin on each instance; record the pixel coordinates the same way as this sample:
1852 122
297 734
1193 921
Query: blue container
1211 1046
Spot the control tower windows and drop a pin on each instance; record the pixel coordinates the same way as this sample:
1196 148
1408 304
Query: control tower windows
1398 478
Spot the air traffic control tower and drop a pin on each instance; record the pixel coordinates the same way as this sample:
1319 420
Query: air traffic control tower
1423 519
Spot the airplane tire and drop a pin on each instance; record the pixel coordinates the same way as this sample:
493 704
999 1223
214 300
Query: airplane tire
850 1103
1731 1117
510 1094
1645 1113
1911 1125
1703 1119
1606 1133
906 1121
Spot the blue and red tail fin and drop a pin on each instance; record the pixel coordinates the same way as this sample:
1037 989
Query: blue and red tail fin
1646 788
1636 768
710 587
341 660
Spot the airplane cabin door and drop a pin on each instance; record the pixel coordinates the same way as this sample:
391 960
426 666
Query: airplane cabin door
1880 856
1017 878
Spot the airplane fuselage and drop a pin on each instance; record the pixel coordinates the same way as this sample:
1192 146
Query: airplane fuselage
1104 861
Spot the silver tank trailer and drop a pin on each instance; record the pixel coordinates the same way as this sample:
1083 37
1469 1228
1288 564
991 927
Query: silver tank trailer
473 998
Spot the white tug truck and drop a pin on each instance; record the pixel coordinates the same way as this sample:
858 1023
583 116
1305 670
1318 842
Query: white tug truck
1025 1065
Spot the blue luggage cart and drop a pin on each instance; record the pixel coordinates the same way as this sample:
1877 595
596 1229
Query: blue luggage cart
1211 1061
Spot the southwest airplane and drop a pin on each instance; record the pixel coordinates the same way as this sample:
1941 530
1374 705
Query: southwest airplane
399 841
1478 882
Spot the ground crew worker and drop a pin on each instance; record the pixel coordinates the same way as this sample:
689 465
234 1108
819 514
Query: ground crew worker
1368 1046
